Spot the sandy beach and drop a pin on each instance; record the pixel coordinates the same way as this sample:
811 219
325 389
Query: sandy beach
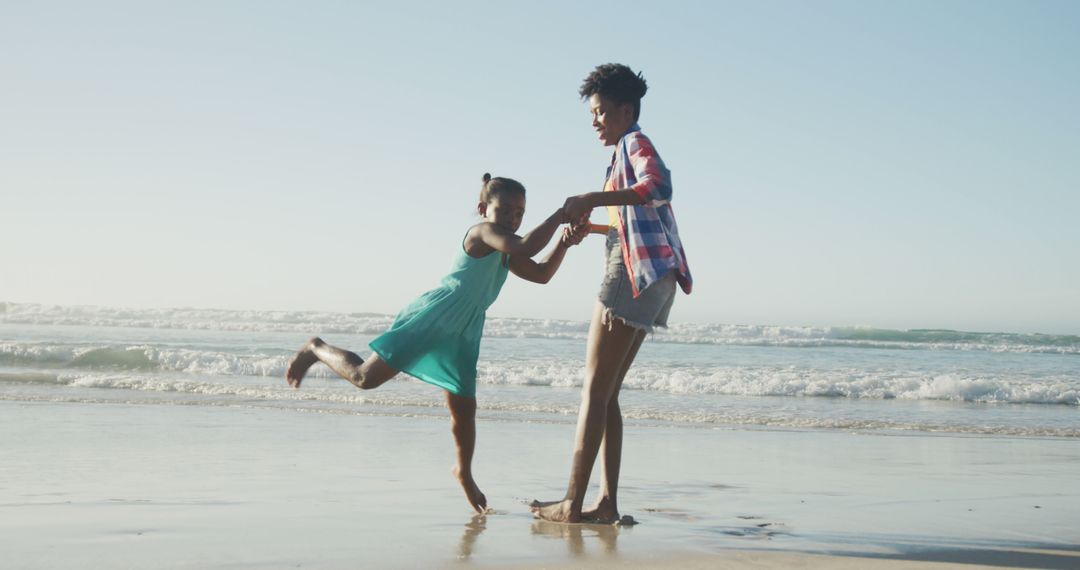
177 486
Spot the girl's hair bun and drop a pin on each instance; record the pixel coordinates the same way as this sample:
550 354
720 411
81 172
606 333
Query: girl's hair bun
497 186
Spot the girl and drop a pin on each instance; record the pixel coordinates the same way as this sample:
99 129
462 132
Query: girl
437 337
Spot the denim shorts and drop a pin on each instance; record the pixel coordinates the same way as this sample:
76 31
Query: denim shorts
650 309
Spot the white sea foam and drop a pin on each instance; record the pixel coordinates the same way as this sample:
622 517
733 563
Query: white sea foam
119 361
141 357
786 381
146 389
702 374
684 333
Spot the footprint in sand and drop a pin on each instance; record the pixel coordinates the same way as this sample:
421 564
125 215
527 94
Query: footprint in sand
760 531
674 514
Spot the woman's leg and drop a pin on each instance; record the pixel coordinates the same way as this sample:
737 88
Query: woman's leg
365 375
609 346
463 426
606 509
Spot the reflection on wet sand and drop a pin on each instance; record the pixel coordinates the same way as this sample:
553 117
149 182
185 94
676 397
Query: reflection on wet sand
576 534
473 528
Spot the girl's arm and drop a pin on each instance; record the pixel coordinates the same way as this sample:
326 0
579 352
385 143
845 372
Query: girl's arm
542 272
503 240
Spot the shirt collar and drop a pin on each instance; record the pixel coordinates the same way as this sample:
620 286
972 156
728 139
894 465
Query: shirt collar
614 153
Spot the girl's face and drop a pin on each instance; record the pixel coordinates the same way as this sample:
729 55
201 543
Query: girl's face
506 210
610 120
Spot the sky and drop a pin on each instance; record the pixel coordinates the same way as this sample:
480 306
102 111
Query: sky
884 164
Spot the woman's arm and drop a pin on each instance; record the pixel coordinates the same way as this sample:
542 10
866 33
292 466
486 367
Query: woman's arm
653 184
578 207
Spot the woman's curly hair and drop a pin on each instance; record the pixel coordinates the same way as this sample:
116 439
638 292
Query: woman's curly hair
617 82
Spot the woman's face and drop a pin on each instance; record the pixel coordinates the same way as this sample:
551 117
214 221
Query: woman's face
610 119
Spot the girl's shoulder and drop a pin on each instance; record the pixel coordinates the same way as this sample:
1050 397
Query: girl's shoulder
477 231
473 244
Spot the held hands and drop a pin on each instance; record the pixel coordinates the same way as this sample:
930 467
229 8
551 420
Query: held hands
572 235
576 210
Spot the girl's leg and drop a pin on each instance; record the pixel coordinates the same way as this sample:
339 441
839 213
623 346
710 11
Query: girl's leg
606 509
463 426
605 358
365 375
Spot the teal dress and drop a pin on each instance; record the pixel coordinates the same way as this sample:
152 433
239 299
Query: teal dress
437 337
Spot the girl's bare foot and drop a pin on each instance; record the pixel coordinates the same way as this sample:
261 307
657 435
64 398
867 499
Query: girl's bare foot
555 511
603 513
472 492
301 362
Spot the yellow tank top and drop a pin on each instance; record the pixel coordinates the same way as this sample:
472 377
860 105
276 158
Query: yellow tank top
612 211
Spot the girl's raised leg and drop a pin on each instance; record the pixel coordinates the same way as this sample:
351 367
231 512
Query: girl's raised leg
463 426
364 374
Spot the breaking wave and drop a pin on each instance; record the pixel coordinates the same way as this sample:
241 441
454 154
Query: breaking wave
308 322
880 384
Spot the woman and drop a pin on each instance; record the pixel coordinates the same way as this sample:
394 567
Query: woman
645 260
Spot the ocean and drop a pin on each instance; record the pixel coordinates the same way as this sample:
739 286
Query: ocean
713 376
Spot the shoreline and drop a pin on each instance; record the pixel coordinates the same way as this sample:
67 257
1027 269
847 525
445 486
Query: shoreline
959 559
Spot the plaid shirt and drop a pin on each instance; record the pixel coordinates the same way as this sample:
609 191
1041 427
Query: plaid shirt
650 238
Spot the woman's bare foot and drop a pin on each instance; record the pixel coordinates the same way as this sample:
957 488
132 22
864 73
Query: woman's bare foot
301 362
555 511
472 492
603 513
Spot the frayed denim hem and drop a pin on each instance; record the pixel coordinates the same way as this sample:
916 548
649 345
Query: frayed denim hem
609 318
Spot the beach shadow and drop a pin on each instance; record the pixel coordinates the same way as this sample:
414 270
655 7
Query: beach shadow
1006 558
473 529
576 535
979 552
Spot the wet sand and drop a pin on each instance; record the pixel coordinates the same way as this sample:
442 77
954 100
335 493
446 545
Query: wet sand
174 486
